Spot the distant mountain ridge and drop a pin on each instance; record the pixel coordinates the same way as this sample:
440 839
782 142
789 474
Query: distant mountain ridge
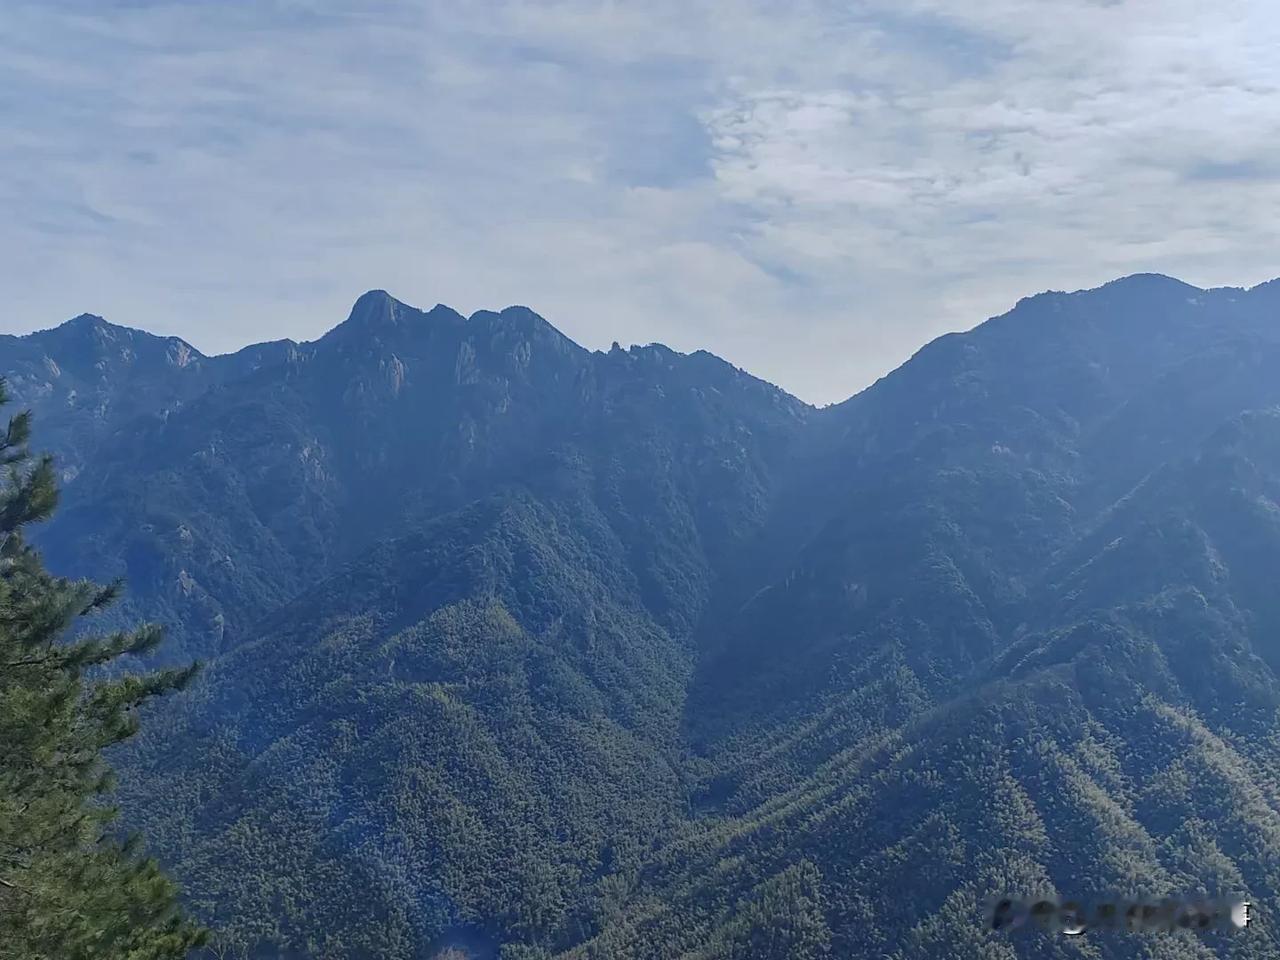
630 654
323 419
87 377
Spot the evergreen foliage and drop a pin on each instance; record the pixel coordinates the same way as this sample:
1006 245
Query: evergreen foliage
68 889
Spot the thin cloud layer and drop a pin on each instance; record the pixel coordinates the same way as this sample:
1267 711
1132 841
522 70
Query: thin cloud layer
811 190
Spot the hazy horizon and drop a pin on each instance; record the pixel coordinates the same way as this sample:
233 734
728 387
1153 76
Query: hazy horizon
709 348
811 191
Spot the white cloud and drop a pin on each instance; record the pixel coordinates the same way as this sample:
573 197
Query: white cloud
810 189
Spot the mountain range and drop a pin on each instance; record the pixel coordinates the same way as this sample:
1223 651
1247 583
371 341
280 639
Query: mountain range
518 649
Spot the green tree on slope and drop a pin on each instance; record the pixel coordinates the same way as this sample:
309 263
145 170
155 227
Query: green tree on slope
68 889
785 919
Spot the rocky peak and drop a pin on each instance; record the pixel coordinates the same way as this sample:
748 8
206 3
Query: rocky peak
377 315
518 324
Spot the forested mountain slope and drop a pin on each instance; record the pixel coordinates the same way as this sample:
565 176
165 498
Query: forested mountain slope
218 508
1124 740
630 654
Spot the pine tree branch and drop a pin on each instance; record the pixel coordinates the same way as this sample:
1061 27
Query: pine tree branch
28 663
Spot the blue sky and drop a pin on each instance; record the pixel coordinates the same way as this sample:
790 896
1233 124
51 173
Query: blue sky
809 189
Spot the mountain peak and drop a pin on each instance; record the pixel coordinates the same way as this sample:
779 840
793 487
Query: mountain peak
378 313
443 313
523 323
84 323
86 319
373 305
1148 282
514 315
90 332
